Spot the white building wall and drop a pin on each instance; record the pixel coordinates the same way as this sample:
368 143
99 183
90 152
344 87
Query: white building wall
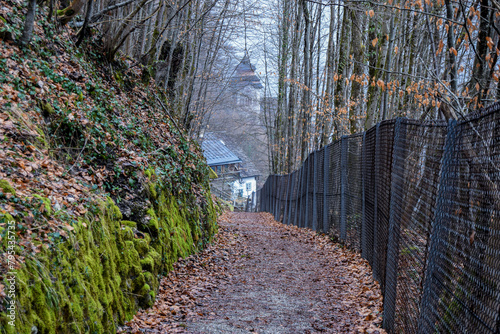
246 187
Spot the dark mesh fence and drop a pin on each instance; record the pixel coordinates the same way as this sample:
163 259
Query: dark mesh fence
368 165
462 291
421 202
333 190
417 154
309 191
383 166
319 199
354 191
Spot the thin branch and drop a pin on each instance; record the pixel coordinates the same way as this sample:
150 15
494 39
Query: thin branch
373 3
78 157
97 16
169 116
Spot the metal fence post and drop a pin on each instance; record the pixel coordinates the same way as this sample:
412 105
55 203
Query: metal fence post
306 195
277 197
263 198
289 202
303 197
375 208
395 213
364 237
297 206
315 193
428 301
277 200
292 197
299 197
303 202
308 179
268 194
326 169
285 216
285 196
343 187
271 195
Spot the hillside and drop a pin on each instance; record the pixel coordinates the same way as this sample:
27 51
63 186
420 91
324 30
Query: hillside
100 190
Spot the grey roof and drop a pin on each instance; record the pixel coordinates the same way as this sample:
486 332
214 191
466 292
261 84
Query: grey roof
216 152
248 168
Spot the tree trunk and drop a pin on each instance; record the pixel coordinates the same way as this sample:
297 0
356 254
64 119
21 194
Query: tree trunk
343 50
306 98
357 53
451 44
28 24
388 67
330 72
83 30
479 69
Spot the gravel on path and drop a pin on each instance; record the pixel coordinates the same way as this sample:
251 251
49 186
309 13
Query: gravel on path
261 276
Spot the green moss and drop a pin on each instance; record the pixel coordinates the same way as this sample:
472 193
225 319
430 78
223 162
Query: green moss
155 256
153 226
212 174
98 277
127 233
149 172
131 255
145 289
47 206
146 300
47 108
148 264
113 211
118 77
129 223
150 279
42 141
138 282
5 217
152 190
141 246
7 188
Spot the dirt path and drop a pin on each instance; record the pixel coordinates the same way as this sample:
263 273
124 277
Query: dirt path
261 276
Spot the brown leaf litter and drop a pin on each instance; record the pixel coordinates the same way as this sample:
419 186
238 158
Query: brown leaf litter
260 276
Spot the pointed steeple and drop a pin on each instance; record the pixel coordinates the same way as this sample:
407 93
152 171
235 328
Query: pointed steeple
245 73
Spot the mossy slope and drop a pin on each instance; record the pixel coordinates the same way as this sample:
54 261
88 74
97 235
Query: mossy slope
107 268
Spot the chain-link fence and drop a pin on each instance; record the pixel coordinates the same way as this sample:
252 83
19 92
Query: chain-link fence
421 202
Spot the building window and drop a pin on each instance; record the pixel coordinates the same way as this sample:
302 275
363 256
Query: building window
240 193
249 186
218 169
